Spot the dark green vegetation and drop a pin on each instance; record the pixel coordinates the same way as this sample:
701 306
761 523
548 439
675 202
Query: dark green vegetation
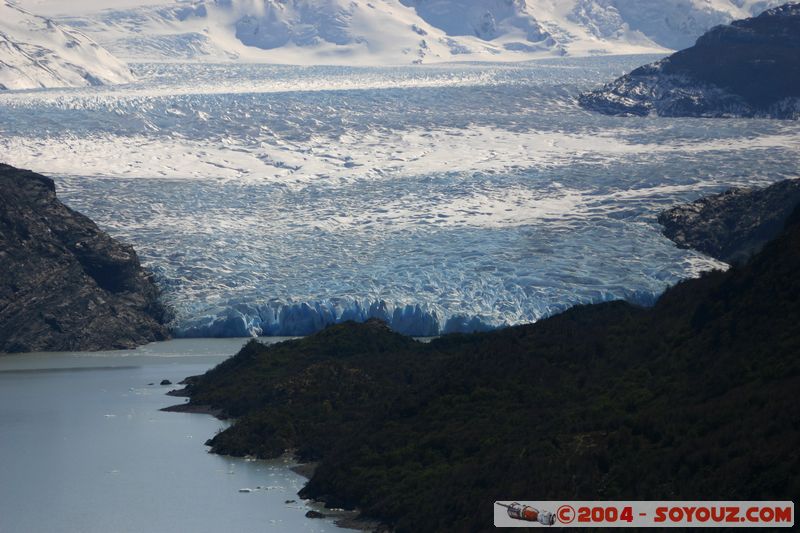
695 398
64 283
748 68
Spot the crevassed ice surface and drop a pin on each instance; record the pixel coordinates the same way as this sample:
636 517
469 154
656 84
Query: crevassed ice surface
276 200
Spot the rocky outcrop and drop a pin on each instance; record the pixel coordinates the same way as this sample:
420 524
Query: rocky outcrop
734 225
750 68
64 283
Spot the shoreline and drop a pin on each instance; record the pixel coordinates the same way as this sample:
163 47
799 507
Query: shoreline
341 518
348 519
194 409
574 318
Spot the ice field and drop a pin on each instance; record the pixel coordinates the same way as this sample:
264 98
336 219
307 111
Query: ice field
275 199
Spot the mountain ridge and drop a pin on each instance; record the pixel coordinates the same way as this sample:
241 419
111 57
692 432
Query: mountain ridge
750 68
36 52
384 32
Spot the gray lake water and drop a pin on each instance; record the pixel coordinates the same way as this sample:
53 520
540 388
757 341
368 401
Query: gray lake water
84 448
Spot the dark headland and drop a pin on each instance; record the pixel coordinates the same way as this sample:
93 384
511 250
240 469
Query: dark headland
692 399
64 283
749 68
733 225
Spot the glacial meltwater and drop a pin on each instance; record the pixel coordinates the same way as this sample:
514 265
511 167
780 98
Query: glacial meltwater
84 448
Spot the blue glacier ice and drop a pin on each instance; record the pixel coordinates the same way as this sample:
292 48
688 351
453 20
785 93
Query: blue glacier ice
275 200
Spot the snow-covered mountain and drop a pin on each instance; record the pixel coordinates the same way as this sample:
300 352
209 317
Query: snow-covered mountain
37 52
46 52
674 24
390 31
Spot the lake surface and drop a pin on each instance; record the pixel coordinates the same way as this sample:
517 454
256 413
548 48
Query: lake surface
84 448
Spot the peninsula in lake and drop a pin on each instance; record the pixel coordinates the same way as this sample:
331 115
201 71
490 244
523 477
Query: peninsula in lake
602 402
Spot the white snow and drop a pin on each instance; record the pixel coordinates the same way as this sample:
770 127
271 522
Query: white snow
390 32
36 52
354 158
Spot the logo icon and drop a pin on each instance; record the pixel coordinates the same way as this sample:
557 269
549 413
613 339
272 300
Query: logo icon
565 514
527 513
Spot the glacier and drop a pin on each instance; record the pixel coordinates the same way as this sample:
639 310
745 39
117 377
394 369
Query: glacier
273 200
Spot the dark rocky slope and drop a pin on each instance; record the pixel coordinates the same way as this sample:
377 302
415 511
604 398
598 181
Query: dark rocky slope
750 68
734 225
693 399
65 284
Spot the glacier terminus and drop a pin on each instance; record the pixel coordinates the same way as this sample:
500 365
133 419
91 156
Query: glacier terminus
273 200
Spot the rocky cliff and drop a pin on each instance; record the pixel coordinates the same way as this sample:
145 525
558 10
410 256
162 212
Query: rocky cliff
64 283
734 225
750 68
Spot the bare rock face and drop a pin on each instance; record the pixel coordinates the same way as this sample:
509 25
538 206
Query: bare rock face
750 68
734 225
64 283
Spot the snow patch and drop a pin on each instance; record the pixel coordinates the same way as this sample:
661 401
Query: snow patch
36 52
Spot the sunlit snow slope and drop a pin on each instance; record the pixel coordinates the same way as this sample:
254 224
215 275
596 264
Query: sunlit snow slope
37 52
381 32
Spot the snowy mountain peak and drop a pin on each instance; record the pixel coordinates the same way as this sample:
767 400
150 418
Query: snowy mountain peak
37 52
364 32
270 24
485 19
380 32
